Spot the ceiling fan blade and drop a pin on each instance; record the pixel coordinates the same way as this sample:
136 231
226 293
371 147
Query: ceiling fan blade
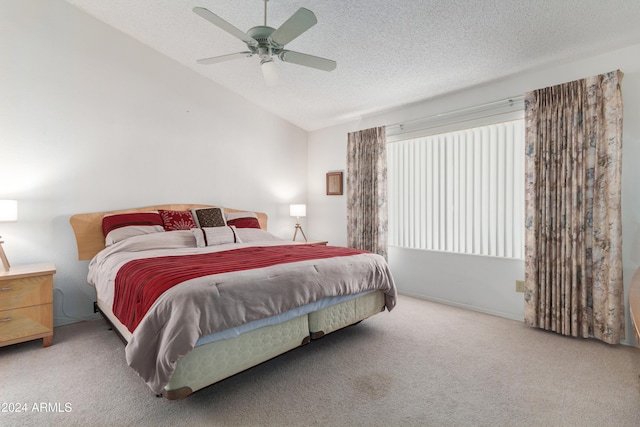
223 58
224 25
297 24
308 60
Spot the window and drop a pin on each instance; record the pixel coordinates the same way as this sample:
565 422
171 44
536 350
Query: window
459 191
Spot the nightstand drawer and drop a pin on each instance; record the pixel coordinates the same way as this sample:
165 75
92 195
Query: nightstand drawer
26 292
36 322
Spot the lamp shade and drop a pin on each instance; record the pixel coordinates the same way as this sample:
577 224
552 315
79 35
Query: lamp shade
8 210
298 210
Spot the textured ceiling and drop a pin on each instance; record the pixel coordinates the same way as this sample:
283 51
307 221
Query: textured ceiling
389 53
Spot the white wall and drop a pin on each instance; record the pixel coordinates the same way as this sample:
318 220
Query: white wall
93 120
480 283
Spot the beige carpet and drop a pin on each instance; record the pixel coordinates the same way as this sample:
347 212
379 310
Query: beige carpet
422 364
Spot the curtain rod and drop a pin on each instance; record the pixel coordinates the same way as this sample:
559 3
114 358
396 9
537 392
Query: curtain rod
506 102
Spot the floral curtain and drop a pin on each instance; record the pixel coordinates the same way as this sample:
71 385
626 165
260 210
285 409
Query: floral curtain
367 190
573 242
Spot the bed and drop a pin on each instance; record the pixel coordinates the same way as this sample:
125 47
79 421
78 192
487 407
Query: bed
206 292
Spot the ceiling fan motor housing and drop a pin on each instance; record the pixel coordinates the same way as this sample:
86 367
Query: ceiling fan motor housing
266 47
261 34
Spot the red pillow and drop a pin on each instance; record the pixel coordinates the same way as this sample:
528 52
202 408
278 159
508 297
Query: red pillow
177 220
246 222
111 222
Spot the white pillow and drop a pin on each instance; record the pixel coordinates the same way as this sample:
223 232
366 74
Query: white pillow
119 234
211 236
175 239
248 235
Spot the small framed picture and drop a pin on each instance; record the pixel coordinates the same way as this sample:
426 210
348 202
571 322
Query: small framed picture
334 183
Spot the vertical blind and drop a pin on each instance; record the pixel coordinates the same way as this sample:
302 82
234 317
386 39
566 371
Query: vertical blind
460 191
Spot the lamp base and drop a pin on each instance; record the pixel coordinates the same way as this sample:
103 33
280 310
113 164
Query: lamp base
3 256
299 227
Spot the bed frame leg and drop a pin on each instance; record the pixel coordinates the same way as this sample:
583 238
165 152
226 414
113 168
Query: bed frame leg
177 394
317 335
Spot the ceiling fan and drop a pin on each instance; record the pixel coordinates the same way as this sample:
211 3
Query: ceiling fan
268 43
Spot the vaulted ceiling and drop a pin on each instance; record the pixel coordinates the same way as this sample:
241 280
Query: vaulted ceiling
388 53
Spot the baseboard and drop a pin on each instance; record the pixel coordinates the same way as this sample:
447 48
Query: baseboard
465 306
482 310
63 321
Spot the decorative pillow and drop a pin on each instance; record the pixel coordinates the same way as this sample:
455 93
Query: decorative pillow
177 220
212 236
208 217
249 235
112 222
243 219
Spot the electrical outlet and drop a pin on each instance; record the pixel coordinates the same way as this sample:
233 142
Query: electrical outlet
519 285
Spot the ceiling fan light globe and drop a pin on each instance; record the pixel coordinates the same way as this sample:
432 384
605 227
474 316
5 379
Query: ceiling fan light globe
270 73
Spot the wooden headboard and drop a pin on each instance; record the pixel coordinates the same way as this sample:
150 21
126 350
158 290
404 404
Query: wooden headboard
88 227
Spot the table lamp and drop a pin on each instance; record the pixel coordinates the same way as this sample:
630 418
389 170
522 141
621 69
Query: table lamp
8 213
298 211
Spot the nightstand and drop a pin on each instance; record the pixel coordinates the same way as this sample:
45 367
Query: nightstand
26 304
317 242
